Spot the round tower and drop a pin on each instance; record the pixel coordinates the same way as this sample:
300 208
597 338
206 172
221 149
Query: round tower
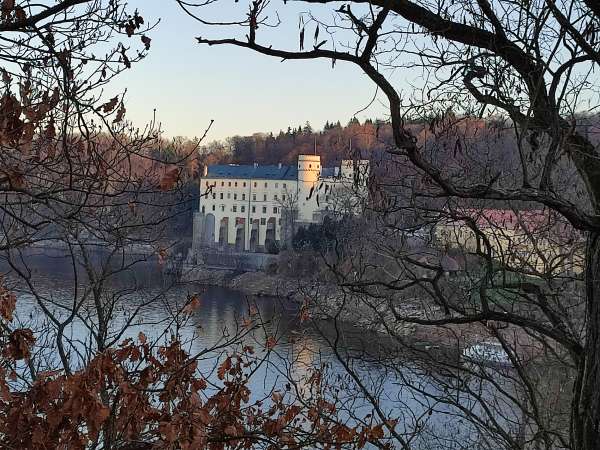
309 171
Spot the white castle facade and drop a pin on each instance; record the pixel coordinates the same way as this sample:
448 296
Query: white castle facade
251 207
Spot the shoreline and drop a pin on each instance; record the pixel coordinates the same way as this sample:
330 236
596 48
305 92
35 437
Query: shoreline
330 302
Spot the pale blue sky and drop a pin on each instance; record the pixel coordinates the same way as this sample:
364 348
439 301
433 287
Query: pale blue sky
244 92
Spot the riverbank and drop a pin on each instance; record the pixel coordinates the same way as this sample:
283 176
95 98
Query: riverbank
325 301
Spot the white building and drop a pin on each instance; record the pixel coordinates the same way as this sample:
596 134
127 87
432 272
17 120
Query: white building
249 207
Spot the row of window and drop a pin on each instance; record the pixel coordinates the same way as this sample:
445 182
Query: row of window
235 196
235 184
309 166
234 208
263 221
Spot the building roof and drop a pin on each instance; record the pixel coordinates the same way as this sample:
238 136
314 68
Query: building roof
531 220
273 172
328 172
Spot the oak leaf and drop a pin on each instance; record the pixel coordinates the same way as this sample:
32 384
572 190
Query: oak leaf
8 302
224 368
271 342
20 14
120 114
7 8
20 343
146 41
231 430
192 305
110 105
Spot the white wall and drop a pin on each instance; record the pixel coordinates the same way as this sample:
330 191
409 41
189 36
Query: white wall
261 200
250 200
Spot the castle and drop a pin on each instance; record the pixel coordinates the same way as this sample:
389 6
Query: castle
255 208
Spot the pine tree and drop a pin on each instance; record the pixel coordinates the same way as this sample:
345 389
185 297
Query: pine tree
307 128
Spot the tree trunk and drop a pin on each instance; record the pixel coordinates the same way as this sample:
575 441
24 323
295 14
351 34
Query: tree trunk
585 420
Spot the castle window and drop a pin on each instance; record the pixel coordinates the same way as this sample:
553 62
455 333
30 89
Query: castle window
213 208
255 184
254 209
264 209
244 184
310 166
234 208
265 185
263 221
280 221
236 184
284 185
229 184
265 197
243 196
275 210
275 196
203 209
229 195
235 196
221 196
283 197
253 197
223 208
243 208
222 183
214 196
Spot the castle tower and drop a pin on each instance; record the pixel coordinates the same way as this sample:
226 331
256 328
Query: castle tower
309 171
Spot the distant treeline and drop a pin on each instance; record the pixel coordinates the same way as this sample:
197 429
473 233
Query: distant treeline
482 147
333 143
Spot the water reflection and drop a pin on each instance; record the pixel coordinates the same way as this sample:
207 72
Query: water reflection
402 390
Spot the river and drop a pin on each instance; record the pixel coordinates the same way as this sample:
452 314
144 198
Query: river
403 391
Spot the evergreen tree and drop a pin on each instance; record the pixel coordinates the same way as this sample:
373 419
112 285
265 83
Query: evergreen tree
354 121
338 124
327 126
307 128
